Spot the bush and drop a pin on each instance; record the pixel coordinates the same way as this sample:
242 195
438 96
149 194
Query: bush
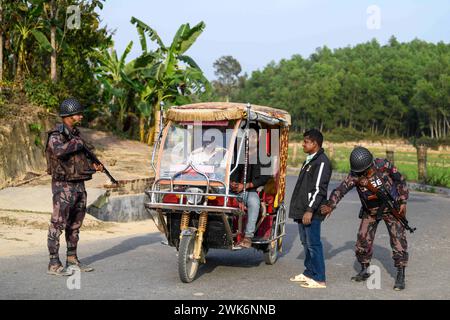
438 177
45 93
35 129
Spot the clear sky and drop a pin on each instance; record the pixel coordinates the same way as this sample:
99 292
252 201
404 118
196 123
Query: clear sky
256 32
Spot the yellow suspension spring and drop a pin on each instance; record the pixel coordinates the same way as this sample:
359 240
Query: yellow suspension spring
202 222
184 222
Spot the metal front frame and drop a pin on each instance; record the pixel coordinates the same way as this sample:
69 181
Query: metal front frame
155 189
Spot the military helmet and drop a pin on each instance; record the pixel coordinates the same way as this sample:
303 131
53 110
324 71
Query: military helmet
360 159
70 107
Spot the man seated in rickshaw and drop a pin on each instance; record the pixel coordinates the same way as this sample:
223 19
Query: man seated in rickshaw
210 154
254 180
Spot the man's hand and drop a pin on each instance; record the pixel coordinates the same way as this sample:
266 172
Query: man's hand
325 210
402 211
307 216
98 167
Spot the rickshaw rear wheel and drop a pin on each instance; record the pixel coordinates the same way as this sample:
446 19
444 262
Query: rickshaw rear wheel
273 248
271 253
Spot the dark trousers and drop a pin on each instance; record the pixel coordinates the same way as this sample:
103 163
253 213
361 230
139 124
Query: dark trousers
314 260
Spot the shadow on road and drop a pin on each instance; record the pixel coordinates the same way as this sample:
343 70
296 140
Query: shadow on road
382 254
290 238
246 258
124 246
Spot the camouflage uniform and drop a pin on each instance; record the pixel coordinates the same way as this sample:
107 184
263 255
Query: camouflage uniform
372 211
69 168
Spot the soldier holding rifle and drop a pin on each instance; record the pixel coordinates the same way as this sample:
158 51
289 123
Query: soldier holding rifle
69 164
383 194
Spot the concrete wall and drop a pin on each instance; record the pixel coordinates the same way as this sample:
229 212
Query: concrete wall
124 208
18 152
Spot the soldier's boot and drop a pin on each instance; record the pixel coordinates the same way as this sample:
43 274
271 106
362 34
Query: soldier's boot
56 268
72 262
400 280
363 274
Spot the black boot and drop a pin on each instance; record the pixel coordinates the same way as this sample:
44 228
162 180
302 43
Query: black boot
400 280
363 274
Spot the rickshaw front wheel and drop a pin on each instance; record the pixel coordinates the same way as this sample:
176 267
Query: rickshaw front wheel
187 265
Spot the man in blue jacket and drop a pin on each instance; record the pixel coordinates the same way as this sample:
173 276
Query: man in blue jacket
309 193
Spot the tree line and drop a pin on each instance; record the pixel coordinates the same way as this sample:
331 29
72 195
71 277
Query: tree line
397 89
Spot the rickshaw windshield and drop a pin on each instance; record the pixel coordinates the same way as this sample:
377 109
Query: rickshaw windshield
204 145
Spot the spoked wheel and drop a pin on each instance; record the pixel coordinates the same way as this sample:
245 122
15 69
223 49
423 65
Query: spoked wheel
271 255
187 265
274 248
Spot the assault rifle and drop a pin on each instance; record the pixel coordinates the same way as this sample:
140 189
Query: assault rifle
64 131
94 159
386 198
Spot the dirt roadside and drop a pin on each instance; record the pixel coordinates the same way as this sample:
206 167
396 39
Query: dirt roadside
23 233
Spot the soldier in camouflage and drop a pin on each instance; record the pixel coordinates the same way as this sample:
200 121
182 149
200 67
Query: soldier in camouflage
69 168
375 171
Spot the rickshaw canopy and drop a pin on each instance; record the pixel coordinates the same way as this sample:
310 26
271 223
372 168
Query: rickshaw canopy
216 111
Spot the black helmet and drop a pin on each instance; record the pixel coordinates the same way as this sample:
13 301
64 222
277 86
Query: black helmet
360 159
70 107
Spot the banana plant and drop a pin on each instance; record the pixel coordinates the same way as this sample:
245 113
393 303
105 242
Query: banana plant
172 74
112 72
27 23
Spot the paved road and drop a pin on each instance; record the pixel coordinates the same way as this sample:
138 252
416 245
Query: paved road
140 267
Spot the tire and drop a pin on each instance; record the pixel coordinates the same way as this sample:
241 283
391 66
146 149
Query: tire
271 254
187 267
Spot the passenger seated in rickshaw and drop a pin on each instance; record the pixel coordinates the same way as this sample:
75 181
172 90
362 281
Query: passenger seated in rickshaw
210 154
254 180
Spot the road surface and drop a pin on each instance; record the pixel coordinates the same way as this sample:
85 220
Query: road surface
140 267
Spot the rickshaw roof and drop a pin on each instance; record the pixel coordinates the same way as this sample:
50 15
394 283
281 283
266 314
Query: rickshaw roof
215 111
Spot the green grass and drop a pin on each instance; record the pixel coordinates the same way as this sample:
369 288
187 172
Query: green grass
438 164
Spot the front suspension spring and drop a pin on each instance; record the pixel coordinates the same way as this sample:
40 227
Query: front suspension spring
184 221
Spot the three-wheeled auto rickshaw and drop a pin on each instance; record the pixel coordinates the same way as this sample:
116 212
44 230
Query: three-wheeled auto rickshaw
198 149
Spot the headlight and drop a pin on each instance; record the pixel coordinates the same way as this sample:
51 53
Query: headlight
194 198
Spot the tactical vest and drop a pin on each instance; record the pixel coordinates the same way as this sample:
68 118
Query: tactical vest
365 195
74 167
